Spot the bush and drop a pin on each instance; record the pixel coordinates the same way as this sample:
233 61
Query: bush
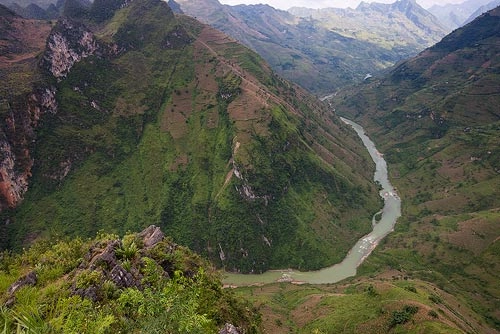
433 314
403 316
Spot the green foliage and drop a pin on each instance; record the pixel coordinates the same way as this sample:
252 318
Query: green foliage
26 320
103 10
151 133
79 315
435 298
229 87
433 314
371 291
127 251
400 317
86 279
189 300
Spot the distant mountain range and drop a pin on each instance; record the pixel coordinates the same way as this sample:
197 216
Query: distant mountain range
323 50
482 9
453 16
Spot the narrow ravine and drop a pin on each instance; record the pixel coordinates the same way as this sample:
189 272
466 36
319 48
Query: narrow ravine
347 268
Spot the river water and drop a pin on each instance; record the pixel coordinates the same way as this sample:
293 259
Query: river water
347 268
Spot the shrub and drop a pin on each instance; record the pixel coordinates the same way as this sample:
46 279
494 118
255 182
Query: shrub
402 316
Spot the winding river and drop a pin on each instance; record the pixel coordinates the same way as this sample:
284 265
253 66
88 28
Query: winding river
347 268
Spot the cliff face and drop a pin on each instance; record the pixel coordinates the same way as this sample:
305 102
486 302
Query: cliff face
26 103
21 105
69 43
16 139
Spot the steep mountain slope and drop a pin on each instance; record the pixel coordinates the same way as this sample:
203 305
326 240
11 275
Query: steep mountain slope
436 118
21 90
140 283
455 15
321 56
161 120
483 9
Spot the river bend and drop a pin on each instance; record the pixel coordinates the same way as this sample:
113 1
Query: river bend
347 268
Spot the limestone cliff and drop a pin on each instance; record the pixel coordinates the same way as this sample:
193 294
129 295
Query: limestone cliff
23 106
69 43
16 138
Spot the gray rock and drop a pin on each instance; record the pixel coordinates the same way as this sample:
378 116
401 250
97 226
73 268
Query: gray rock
105 259
121 277
229 329
29 279
151 236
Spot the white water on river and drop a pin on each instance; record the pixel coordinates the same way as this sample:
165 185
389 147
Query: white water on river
347 268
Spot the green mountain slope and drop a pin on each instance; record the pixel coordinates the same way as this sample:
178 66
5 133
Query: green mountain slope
140 283
323 50
391 303
161 120
436 118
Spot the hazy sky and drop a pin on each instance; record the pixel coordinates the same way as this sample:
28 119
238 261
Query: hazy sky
285 4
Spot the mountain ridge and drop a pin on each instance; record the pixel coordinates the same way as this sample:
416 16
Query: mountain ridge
139 282
162 120
455 15
435 117
315 54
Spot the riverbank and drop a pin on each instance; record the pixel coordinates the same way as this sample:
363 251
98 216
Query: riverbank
383 223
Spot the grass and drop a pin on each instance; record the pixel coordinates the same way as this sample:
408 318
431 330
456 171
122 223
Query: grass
440 139
188 299
360 305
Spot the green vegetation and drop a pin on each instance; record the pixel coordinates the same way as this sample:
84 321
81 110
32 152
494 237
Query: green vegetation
166 288
375 305
435 117
167 125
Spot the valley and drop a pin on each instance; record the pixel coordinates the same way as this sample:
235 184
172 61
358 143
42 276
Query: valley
382 224
126 116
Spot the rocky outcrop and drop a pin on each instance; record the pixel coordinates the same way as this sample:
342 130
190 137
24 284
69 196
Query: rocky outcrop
151 236
121 263
30 279
68 44
16 140
229 329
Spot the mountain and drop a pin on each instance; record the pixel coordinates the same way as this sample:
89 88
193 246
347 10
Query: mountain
436 119
403 23
483 9
311 49
453 16
138 117
44 4
22 42
142 282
